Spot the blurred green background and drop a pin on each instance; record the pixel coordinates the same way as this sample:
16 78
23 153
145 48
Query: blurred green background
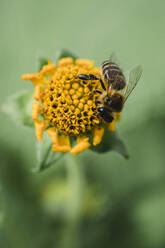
105 201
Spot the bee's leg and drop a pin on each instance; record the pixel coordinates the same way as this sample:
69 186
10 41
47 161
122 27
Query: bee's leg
93 77
95 91
84 77
102 84
97 102
88 77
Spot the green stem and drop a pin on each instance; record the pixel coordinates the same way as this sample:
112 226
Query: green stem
75 185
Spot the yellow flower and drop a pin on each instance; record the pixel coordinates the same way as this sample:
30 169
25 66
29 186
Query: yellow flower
66 106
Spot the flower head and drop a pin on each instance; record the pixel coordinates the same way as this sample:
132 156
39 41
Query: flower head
64 106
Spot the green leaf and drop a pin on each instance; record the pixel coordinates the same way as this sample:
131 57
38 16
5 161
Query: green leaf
111 142
45 156
63 53
19 108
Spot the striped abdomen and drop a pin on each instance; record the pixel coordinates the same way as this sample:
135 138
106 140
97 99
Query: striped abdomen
113 75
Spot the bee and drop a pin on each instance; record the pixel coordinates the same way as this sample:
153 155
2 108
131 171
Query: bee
115 88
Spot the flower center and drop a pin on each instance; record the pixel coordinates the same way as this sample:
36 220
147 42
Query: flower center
67 101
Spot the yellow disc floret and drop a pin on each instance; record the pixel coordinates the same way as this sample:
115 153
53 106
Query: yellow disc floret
67 102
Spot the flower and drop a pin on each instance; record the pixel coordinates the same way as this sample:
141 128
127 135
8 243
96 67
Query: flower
64 106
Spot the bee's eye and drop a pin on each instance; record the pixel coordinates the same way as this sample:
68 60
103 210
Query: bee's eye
100 109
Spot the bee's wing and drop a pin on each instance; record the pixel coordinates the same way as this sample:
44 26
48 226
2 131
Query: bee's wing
132 77
114 58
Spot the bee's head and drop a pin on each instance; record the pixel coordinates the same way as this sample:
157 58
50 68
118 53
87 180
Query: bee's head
115 102
105 114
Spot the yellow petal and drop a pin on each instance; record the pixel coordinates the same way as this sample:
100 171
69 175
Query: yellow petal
97 135
82 144
48 69
35 110
63 144
60 148
53 133
65 62
84 62
35 78
39 128
111 126
37 93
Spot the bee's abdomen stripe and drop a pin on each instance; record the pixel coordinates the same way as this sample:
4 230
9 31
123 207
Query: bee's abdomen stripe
108 73
113 75
108 63
105 63
121 78
110 68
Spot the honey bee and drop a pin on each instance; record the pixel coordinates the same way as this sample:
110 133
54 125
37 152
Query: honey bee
115 88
